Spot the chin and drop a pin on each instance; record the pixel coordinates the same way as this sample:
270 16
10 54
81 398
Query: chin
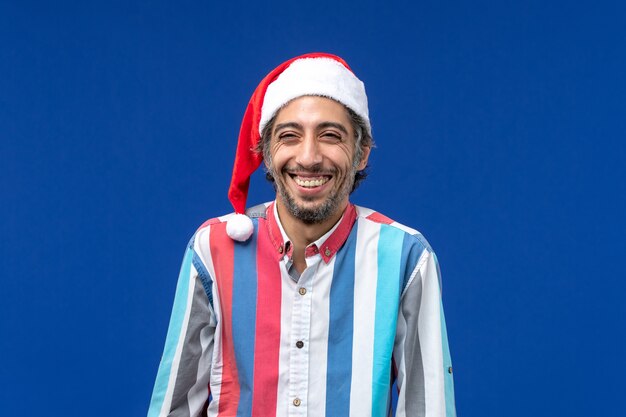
311 213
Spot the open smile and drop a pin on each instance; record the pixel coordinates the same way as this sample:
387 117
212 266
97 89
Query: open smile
310 181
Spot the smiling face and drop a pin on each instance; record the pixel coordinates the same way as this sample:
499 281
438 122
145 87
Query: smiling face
312 159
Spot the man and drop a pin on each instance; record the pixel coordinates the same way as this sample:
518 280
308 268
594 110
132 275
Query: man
308 305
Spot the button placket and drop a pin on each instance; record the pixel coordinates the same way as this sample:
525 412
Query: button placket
299 353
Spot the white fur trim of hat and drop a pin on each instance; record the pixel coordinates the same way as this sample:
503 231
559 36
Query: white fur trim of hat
324 77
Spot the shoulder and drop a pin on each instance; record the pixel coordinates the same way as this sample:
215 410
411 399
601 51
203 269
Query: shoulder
218 224
398 241
256 212
211 239
373 218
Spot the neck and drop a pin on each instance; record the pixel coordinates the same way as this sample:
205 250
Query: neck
302 234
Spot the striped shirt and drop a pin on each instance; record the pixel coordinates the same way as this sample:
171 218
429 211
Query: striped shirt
249 338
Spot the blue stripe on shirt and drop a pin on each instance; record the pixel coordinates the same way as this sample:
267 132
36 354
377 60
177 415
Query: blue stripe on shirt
412 249
390 245
207 282
340 331
244 317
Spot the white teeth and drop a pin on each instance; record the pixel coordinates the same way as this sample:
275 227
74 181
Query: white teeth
311 183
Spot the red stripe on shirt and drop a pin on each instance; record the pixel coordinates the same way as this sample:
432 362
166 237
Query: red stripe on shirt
379 218
267 346
222 254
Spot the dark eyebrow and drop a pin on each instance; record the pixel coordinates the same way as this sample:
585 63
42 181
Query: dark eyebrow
338 126
291 125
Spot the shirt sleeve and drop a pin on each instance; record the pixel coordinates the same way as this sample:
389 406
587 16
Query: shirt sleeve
182 383
421 352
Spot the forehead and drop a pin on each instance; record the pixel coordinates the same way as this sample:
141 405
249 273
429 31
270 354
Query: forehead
312 110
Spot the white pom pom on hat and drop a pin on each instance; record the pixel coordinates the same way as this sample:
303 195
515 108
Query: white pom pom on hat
239 227
314 74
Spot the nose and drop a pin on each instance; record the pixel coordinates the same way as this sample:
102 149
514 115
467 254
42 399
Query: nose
309 152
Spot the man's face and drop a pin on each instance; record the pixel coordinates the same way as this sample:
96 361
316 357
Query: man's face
312 158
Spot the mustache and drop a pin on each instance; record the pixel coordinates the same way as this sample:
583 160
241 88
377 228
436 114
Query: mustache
315 169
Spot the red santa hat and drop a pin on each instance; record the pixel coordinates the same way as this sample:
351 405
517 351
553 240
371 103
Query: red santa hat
314 74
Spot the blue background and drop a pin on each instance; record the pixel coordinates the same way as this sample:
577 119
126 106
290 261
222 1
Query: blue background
501 133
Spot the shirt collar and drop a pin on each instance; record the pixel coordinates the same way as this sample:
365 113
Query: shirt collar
327 245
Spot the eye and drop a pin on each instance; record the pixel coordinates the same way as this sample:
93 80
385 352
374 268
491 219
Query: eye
332 136
287 136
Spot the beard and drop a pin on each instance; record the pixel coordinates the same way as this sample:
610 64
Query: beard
321 212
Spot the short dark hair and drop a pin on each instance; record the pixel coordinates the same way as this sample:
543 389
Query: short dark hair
363 139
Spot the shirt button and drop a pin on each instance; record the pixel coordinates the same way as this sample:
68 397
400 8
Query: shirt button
327 252
302 291
299 344
450 370
280 249
297 402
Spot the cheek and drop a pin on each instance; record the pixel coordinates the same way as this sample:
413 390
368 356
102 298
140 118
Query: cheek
277 154
344 157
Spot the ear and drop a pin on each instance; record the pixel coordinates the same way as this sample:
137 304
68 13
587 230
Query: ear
364 158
